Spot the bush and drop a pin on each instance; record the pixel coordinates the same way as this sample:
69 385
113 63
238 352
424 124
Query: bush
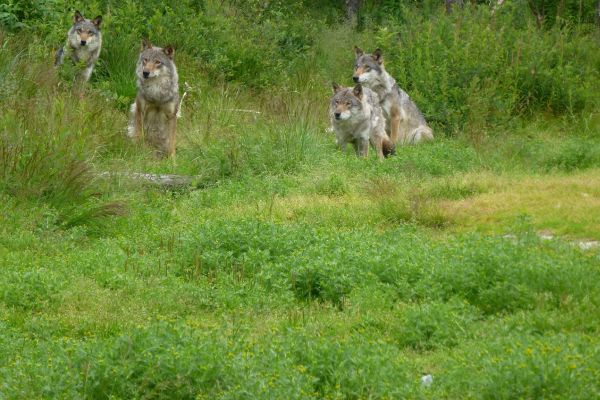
436 324
474 70
518 366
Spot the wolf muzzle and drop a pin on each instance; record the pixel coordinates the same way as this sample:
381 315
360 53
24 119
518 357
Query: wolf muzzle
83 42
337 115
146 74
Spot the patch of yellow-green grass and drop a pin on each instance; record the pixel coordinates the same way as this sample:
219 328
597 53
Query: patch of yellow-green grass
378 203
561 204
348 210
86 310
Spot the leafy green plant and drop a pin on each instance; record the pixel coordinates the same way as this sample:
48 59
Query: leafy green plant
432 325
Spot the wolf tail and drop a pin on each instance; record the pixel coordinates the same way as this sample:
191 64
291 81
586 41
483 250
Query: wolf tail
420 134
180 104
388 147
131 125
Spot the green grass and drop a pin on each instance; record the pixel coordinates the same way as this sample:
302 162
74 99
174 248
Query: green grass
288 269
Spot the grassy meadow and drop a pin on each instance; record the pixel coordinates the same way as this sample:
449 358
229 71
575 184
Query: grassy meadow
287 269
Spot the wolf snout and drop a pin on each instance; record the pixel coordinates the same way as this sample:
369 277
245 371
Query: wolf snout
83 42
337 115
355 79
146 74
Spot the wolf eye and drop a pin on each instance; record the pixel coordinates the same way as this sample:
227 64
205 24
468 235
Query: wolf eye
157 62
79 30
367 69
348 103
90 33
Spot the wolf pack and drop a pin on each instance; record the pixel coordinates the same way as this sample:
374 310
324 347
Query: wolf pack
375 112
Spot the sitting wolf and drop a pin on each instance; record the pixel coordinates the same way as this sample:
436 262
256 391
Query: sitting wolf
404 122
84 41
154 112
356 118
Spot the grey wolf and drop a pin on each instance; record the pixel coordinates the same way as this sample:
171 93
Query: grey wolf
356 118
84 42
404 122
154 112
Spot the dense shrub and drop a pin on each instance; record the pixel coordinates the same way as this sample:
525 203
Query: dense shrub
493 275
477 69
474 68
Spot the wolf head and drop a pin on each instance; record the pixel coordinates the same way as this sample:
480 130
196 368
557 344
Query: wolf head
368 67
85 32
154 61
346 102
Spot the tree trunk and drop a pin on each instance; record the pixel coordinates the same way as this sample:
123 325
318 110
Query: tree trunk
538 12
497 6
352 7
449 4
560 10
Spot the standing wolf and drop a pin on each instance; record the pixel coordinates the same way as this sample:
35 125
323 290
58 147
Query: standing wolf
356 118
84 41
154 113
404 122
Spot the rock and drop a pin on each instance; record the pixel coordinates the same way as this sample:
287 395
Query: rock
426 380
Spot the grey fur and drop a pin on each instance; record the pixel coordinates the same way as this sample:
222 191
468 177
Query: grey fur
356 118
154 113
404 121
84 42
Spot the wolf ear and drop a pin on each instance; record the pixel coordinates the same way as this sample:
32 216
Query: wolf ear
358 91
336 87
146 44
169 51
97 21
358 51
377 56
77 17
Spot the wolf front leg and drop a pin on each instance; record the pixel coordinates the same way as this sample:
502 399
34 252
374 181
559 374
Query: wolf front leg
361 145
86 73
395 117
171 135
341 142
60 56
377 143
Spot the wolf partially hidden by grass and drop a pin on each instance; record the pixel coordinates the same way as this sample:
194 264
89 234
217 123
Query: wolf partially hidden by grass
154 112
404 122
84 42
356 118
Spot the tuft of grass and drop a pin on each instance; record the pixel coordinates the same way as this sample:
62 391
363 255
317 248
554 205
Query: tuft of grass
411 206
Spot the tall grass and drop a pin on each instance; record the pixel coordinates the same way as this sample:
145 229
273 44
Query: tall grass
48 138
